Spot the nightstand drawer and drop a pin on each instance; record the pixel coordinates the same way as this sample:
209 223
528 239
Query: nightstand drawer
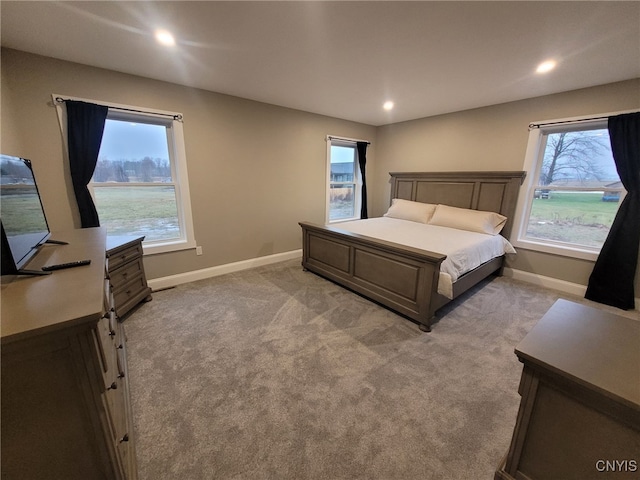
125 273
121 257
127 296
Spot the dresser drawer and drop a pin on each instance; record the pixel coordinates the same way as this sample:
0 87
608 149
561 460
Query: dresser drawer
120 257
131 293
104 339
126 454
126 272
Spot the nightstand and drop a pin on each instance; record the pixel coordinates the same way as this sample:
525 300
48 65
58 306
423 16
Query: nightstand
579 414
126 273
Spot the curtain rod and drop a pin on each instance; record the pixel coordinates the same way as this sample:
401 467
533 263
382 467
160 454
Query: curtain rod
333 137
578 120
544 124
177 117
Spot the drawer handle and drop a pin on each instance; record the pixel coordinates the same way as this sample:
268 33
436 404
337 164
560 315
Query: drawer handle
113 386
112 333
121 375
125 438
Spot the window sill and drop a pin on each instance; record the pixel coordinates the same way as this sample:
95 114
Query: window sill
342 220
561 250
167 247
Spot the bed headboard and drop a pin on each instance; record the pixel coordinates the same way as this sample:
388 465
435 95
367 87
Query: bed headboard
490 191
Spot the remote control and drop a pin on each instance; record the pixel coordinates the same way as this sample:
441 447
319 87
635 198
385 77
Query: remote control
60 266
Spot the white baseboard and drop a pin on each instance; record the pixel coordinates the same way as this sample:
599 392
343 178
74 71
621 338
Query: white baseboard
552 283
173 280
547 282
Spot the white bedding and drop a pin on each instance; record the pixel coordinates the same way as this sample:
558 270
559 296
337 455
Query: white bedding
464 250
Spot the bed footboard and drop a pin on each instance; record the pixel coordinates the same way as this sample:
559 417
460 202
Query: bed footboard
401 278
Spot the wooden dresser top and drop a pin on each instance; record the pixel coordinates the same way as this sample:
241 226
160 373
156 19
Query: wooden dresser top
34 305
592 347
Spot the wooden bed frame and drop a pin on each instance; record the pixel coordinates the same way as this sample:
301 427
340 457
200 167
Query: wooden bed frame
402 278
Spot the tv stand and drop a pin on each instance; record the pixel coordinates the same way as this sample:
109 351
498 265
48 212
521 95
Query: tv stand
65 402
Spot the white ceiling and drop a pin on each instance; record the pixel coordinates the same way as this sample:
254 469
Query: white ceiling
344 59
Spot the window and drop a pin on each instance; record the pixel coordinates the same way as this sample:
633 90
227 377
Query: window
572 191
140 184
343 192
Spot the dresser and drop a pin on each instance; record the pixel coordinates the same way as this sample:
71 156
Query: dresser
579 415
65 403
126 273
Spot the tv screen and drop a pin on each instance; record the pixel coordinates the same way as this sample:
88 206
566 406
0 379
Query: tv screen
24 224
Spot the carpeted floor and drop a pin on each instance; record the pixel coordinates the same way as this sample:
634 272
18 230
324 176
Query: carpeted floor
276 373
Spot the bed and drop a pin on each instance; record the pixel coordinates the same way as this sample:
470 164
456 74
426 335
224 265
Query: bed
405 276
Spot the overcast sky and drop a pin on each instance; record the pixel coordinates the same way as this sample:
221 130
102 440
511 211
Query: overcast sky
133 141
341 154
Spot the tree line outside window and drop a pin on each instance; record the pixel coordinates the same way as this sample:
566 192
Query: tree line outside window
143 170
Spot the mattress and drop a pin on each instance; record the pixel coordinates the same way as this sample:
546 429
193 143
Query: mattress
464 250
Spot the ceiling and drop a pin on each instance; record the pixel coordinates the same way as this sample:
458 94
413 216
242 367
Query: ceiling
345 59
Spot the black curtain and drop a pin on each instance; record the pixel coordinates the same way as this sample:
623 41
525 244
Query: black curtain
85 125
611 281
362 161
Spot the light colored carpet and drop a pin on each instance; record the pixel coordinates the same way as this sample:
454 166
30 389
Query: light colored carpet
276 373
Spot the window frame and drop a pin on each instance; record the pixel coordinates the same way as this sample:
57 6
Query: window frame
532 165
177 161
357 179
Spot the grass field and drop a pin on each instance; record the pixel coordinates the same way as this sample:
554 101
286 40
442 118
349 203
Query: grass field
150 211
575 217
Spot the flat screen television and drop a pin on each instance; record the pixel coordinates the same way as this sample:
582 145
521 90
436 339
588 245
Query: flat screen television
22 218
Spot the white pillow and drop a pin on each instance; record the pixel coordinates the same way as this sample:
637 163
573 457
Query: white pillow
408 210
466 219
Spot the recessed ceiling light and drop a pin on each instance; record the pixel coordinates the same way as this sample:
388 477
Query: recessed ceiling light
546 66
165 37
388 105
